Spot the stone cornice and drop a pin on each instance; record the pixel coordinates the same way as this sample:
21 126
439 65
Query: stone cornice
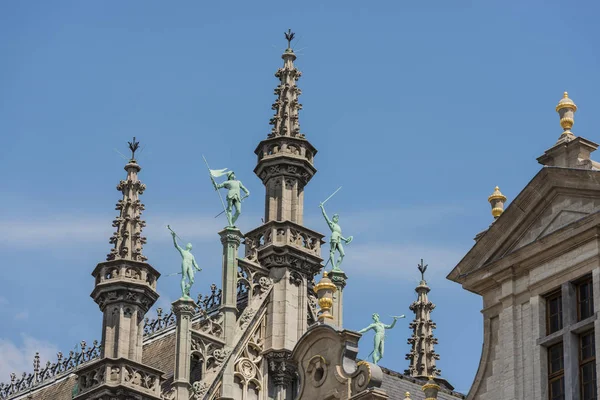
497 241
533 254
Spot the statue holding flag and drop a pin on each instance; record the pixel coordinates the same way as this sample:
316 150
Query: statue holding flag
234 198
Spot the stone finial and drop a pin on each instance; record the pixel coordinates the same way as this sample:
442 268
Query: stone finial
566 109
497 200
285 121
431 389
422 355
128 241
325 290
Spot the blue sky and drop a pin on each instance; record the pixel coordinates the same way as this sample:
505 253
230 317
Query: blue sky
418 109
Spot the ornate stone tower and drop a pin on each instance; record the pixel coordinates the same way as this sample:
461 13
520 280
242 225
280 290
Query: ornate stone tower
125 288
422 355
288 250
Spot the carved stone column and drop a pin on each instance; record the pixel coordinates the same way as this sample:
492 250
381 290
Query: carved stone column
231 239
339 280
184 310
282 372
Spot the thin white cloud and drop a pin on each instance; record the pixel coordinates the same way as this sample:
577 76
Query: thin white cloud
401 218
22 316
65 230
399 261
18 358
57 230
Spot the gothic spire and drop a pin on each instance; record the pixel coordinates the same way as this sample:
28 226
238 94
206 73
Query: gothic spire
422 355
285 121
128 240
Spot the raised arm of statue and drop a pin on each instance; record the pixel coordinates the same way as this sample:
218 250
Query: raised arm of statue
325 214
391 325
367 328
175 243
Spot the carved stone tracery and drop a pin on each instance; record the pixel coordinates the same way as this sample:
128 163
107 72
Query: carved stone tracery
248 367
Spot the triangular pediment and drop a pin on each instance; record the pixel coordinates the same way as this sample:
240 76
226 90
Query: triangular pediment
554 199
563 210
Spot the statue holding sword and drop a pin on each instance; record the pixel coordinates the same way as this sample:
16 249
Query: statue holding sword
188 264
336 239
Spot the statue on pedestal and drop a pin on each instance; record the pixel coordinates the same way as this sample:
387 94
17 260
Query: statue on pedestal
336 239
234 198
188 264
378 341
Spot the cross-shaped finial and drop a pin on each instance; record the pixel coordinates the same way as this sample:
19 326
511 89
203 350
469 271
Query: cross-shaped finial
289 35
422 267
133 146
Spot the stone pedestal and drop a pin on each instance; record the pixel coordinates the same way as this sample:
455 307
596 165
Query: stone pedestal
183 309
231 239
338 277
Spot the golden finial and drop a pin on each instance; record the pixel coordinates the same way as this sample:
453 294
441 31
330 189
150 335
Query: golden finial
497 200
324 291
407 396
566 109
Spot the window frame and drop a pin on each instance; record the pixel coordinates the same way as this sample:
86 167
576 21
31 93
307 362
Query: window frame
586 280
590 360
548 298
557 375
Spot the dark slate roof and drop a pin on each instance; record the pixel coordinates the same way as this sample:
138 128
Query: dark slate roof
58 390
396 385
160 353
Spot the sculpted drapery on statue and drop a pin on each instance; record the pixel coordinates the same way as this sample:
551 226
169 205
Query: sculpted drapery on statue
188 264
378 341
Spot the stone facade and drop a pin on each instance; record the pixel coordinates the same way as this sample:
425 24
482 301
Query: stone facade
528 268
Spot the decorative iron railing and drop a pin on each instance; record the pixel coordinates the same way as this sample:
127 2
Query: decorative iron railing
50 371
205 305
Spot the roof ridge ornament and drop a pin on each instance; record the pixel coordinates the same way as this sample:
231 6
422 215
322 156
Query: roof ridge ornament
497 200
422 355
422 268
289 36
566 109
133 146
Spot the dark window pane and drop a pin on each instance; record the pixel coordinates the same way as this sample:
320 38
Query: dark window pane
557 389
588 381
555 358
554 313
588 346
585 297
